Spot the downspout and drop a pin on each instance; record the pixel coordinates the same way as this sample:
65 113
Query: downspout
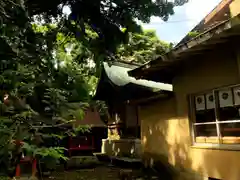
238 61
137 132
137 119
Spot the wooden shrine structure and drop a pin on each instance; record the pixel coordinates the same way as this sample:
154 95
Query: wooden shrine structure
123 94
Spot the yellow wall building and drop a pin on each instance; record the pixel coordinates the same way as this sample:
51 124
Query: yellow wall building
197 138
166 123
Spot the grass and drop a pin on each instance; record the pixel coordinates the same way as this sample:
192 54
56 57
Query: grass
4 178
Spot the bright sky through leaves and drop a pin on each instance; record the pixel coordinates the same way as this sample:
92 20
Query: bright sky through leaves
184 19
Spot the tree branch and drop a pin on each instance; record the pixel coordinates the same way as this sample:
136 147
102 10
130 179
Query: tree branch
57 125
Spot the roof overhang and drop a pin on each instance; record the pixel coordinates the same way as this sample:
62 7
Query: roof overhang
220 13
115 82
166 65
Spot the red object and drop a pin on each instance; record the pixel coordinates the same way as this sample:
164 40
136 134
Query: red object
81 143
25 159
18 142
34 167
18 171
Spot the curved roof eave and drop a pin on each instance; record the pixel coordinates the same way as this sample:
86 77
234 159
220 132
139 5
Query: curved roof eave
119 76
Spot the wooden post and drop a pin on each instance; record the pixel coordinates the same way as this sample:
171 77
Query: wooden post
69 146
138 123
18 170
92 141
18 143
34 167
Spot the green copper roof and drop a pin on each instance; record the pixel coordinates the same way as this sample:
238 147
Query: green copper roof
119 76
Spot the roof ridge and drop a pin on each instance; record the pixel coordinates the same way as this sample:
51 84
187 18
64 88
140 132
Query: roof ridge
206 19
123 64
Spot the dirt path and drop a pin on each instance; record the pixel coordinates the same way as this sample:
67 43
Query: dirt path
98 173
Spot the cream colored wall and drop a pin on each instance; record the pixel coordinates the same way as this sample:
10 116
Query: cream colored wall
165 124
235 8
164 137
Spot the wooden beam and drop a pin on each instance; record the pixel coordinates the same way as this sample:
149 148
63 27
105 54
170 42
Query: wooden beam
144 100
216 10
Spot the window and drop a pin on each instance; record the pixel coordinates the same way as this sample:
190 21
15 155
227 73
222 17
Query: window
216 116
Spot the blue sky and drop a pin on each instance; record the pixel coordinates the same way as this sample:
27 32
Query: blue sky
179 24
184 19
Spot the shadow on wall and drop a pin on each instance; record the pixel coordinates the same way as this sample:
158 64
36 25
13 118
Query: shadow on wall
122 147
164 150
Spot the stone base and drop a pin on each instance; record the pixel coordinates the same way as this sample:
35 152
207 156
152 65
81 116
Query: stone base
82 161
122 147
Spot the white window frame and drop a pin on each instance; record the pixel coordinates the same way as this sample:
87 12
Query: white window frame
193 122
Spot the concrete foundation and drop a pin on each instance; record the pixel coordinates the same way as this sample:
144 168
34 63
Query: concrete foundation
122 147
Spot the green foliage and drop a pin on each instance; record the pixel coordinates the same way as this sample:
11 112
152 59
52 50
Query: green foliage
54 152
104 17
142 47
38 98
4 178
193 34
45 72
102 109
83 128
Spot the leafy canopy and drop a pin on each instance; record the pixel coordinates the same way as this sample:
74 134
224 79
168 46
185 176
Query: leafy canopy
142 47
44 85
104 17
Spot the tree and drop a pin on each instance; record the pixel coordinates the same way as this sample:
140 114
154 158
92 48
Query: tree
41 87
105 17
36 95
142 47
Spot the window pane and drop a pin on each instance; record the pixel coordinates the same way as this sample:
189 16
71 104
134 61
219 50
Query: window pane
206 130
210 100
230 129
205 116
225 98
200 103
229 113
236 93
229 108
